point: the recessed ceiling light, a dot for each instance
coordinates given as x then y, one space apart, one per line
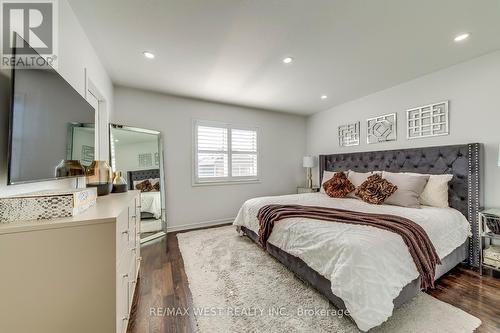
288 60
461 37
148 55
324 97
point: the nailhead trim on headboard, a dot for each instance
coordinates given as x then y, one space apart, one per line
474 202
463 161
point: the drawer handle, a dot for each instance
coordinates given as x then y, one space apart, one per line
125 318
124 232
125 276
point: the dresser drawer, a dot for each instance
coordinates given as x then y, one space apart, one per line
126 232
122 236
122 297
132 279
132 222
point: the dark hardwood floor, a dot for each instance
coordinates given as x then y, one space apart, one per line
163 284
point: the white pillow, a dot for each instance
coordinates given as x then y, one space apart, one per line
327 175
435 193
410 188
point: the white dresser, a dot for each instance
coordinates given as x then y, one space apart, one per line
75 274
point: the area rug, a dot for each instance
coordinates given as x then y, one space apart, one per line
237 287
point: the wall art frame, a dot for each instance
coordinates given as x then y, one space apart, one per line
428 121
382 128
349 134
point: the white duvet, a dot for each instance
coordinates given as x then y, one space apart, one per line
151 203
368 267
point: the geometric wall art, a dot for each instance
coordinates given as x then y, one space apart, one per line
382 128
145 160
87 155
428 120
349 135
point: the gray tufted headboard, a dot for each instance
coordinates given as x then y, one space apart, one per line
463 161
141 175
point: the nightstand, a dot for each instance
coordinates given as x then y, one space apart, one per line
486 240
307 190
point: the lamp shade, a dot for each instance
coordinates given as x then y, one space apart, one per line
308 162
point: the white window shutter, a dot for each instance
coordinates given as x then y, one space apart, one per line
212 145
244 153
224 153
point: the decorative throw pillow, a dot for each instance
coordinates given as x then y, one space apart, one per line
410 187
156 186
327 175
375 190
357 178
435 193
339 186
155 183
144 186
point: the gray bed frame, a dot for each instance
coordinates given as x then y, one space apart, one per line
463 161
139 175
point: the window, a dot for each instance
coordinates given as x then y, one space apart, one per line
224 153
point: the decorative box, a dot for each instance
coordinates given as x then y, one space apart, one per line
491 256
46 204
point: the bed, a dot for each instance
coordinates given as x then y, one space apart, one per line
150 201
366 270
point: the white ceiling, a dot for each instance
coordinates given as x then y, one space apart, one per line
127 137
231 50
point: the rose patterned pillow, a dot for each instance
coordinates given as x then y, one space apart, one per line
144 186
375 190
338 186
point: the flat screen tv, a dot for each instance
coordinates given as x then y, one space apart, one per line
49 122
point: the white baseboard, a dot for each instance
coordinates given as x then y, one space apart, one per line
202 224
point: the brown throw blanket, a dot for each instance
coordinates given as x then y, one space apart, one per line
421 249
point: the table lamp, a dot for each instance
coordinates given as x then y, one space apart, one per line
308 163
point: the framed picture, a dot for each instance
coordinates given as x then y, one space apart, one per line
145 160
87 155
382 128
428 120
349 135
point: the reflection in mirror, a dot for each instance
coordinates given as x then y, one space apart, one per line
81 142
137 154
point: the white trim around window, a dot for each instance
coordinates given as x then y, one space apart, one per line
230 153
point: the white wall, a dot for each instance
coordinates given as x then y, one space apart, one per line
473 89
127 155
282 145
75 55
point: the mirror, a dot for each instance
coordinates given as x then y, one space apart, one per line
81 142
138 154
